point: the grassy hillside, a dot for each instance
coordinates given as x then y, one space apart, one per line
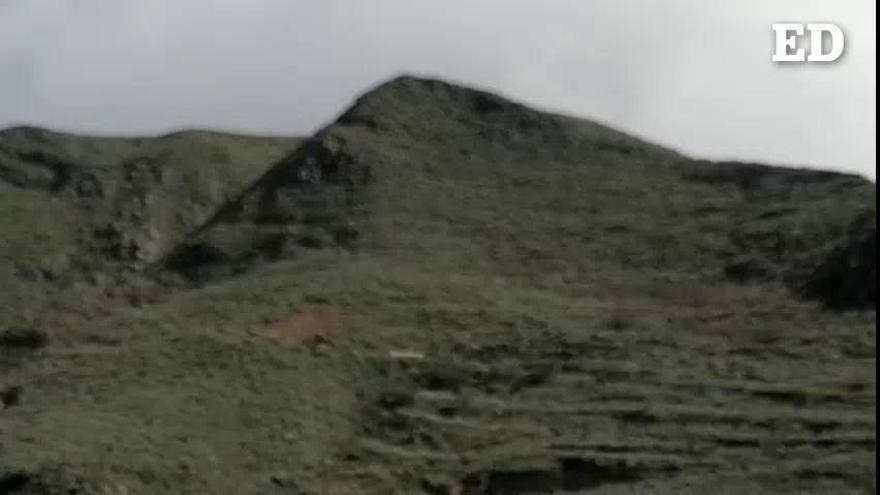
77 208
445 292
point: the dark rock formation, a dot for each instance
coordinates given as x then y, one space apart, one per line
312 199
847 277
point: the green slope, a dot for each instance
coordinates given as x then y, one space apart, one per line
445 289
76 207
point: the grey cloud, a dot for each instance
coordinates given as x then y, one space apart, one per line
692 74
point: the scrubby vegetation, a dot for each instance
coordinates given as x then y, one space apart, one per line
443 292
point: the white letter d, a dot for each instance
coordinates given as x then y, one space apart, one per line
816 35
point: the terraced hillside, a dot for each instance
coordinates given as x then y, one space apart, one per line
445 292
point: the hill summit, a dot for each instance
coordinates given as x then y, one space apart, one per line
316 196
321 195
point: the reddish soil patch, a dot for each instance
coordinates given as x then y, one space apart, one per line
109 301
313 324
96 306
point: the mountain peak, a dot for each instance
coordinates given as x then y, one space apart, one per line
428 108
409 92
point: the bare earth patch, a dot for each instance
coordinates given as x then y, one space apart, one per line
97 305
312 324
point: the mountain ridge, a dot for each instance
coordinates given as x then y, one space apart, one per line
309 199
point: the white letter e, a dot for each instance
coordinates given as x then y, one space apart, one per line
784 42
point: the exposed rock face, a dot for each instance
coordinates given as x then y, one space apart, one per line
847 277
312 199
40 170
831 261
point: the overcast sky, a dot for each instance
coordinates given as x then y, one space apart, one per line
692 74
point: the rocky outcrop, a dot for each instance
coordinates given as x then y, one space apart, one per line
846 278
315 198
